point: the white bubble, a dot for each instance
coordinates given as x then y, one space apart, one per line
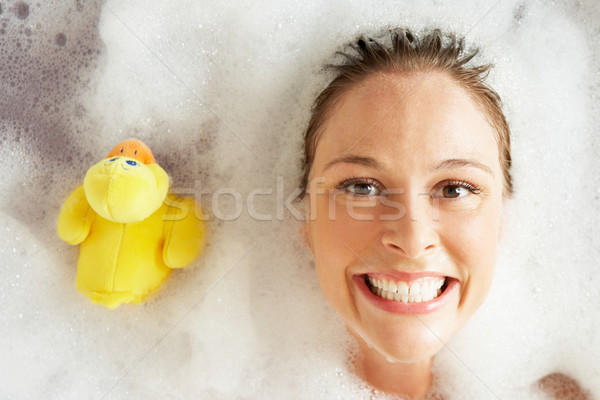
222 91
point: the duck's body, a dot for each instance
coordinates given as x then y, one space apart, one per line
122 261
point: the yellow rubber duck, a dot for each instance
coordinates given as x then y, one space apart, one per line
131 232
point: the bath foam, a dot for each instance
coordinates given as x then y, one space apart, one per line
49 51
224 91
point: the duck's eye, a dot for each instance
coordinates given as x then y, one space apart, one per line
132 163
113 159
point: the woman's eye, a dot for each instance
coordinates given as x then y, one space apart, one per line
453 192
456 189
359 187
364 189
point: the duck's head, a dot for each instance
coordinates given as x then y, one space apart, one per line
128 185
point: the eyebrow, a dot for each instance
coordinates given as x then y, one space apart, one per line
373 163
352 159
462 162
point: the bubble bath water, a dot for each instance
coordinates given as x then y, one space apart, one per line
222 94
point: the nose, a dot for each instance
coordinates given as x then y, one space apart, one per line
414 235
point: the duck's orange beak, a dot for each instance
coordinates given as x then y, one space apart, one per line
133 148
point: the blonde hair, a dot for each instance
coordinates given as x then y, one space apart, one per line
409 53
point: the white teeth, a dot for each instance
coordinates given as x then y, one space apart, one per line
417 291
392 287
426 288
386 285
403 288
414 289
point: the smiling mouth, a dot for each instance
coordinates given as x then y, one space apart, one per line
416 291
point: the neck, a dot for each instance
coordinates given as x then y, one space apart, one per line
411 379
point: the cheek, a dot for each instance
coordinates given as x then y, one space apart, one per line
336 239
471 242
337 233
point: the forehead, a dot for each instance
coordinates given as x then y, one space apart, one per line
425 116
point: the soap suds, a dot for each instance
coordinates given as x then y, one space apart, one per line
222 92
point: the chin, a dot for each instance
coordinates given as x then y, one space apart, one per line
410 342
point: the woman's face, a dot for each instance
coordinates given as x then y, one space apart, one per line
405 204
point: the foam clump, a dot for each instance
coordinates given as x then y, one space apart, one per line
43 124
222 92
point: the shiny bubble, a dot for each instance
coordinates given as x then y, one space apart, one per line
60 39
21 9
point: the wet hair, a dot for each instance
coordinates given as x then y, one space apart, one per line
403 51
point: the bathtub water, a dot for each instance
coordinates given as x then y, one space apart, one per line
221 93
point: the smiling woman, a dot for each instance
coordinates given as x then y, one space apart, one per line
407 165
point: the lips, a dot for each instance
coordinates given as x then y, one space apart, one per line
407 293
